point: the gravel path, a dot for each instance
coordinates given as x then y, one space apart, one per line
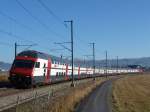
99 100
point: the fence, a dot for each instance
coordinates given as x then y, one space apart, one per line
36 101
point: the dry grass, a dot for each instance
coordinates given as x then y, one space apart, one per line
68 102
3 76
132 94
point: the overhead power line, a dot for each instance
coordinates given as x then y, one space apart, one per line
51 12
20 38
37 20
6 44
72 51
22 25
14 35
25 26
14 20
82 41
93 50
21 45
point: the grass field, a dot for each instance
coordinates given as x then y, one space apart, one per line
132 94
3 76
66 102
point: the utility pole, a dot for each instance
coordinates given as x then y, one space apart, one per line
84 60
72 53
93 46
127 63
106 64
117 64
15 49
17 45
99 67
85 63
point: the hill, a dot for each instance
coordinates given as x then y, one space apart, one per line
145 62
4 66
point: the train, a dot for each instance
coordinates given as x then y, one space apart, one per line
31 68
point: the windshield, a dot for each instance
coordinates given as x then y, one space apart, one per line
23 64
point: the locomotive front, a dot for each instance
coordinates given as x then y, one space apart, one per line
21 71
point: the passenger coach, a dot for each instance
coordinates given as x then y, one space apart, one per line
32 67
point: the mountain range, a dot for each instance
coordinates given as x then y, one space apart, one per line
4 66
145 62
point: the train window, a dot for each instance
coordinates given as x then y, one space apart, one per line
37 64
59 73
23 64
53 62
44 65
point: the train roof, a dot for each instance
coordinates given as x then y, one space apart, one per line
37 54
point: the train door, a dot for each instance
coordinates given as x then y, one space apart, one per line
66 72
44 68
40 71
45 71
79 72
48 71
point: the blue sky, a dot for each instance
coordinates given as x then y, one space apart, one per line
122 27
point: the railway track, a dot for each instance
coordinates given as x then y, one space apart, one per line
11 97
6 92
